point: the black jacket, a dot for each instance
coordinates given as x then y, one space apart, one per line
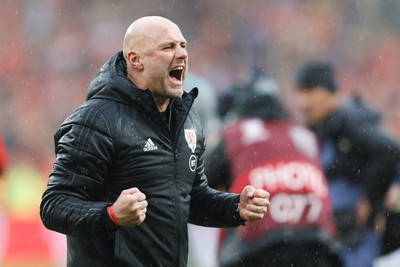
363 153
117 140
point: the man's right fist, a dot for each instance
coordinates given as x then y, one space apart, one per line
130 208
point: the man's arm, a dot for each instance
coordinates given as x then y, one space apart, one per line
382 154
72 202
213 208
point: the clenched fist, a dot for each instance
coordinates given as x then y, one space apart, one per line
130 207
254 203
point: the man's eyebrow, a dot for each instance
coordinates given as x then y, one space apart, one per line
172 42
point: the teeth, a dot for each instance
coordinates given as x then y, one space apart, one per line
178 68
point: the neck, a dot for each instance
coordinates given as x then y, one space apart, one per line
162 104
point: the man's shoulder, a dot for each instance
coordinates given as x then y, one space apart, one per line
89 108
347 118
94 113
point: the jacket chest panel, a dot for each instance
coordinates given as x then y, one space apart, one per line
151 158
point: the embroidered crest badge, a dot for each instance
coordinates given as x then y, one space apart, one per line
191 139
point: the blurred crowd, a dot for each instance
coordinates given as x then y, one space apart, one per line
51 49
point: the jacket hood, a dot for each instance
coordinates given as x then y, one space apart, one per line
111 82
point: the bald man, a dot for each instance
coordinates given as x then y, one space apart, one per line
129 170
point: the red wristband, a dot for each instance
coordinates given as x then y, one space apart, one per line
111 213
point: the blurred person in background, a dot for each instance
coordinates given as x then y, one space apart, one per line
359 158
3 218
262 146
129 171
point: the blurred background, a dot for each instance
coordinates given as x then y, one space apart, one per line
51 49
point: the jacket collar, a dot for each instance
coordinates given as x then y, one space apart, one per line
111 82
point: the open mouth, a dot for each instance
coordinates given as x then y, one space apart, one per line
177 73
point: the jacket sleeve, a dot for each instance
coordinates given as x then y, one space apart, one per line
381 154
210 207
72 202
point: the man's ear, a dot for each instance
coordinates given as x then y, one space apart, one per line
135 60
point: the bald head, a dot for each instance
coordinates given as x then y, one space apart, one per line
144 31
156 58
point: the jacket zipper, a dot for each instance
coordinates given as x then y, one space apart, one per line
175 136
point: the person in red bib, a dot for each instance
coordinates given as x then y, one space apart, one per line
263 147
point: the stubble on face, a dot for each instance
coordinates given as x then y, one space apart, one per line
158 77
161 49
